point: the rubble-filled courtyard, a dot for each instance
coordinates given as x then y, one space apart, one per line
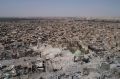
59 48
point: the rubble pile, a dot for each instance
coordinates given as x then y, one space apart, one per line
59 48
58 63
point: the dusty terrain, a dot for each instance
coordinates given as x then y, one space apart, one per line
45 48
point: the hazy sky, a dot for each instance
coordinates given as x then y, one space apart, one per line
32 8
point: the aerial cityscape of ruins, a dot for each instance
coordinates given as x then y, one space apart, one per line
59 48
59 39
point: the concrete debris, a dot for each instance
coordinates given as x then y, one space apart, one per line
87 68
59 48
104 66
51 53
